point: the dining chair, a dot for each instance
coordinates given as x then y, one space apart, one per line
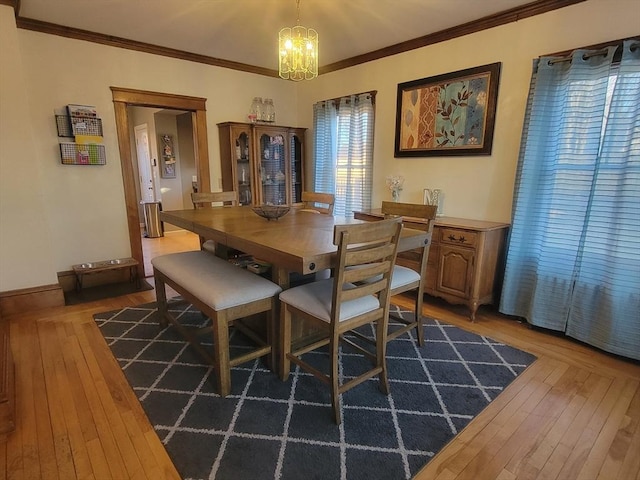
406 279
318 202
207 200
340 304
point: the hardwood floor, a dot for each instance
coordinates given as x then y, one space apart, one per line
575 413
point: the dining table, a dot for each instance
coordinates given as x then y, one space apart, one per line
298 242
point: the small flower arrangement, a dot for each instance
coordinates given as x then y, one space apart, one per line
395 183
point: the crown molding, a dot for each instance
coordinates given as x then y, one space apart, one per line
502 18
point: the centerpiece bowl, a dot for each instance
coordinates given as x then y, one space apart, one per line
271 212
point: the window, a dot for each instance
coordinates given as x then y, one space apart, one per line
343 151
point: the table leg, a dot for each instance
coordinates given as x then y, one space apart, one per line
280 276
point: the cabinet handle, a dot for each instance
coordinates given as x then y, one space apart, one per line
460 239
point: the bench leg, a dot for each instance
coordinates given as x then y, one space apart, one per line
161 299
221 355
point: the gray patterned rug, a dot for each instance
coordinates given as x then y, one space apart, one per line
269 429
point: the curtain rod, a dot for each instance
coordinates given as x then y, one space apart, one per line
587 56
337 99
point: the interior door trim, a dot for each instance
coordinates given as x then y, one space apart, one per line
126 97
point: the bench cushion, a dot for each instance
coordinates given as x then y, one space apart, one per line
214 281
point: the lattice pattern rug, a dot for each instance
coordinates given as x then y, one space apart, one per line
269 429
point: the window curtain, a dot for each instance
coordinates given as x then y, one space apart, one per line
343 151
573 261
325 146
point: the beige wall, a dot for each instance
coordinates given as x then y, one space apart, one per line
478 187
78 212
26 252
53 215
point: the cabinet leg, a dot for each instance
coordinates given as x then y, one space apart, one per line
473 308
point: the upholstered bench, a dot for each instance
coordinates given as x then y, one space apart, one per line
224 293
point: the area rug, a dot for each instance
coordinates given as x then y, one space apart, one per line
269 429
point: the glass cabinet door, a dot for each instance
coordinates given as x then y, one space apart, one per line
296 168
271 149
243 168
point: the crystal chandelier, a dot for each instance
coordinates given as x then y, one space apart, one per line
298 52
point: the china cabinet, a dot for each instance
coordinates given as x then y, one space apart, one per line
263 163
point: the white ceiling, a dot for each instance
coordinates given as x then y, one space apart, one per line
246 31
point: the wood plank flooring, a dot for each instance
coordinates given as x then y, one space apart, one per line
575 413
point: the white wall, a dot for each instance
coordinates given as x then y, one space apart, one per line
53 216
479 187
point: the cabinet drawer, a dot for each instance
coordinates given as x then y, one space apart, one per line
455 236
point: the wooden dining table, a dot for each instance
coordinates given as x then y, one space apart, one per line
300 241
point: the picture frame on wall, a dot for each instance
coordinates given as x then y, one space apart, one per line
167 157
448 114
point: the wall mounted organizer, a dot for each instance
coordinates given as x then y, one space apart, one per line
83 125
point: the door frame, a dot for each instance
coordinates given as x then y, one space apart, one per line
126 97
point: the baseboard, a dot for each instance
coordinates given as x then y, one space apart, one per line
29 299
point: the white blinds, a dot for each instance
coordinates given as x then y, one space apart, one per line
343 151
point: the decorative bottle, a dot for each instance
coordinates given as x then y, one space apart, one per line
255 112
268 114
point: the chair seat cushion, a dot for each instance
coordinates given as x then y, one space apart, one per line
209 246
214 281
403 276
315 299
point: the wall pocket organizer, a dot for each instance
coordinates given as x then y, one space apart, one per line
83 125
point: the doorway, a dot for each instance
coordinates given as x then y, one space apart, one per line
123 98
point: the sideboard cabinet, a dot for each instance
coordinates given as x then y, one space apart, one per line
263 163
465 263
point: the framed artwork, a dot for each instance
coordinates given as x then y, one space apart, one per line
167 157
449 114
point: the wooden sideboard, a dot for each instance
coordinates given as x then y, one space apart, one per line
465 259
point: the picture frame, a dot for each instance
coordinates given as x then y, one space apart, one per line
167 157
448 114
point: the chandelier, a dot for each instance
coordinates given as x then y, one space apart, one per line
298 52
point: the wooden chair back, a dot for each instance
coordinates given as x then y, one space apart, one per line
318 202
207 199
372 248
414 215
418 217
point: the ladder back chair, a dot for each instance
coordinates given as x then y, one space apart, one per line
207 200
318 202
405 279
337 305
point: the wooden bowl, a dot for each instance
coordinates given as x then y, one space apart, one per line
271 212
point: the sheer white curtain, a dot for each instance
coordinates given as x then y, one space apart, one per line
343 151
573 261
